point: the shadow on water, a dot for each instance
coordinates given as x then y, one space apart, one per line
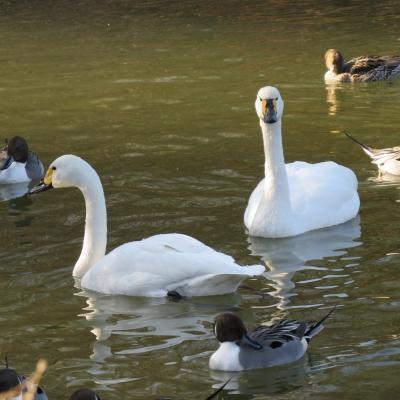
285 257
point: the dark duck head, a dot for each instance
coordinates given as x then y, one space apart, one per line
10 384
230 328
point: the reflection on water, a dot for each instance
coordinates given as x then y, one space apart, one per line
265 381
150 324
159 98
331 99
285 257
8 192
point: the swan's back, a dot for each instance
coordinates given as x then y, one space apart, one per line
322 194
162 263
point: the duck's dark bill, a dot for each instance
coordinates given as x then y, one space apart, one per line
42 187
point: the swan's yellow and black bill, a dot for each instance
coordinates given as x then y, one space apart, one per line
45 184
268 108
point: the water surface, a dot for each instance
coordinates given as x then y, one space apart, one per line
158 96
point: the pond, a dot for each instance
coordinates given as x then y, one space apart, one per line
159 97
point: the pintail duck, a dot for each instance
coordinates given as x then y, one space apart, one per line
265 346
360 69
18 164
13 386
387 160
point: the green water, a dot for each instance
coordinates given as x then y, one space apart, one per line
158 96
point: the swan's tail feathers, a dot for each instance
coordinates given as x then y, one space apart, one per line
367 150
317 326
254 270
210 285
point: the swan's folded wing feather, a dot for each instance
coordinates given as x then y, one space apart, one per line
163 262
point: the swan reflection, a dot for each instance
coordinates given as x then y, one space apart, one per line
284 257
148 324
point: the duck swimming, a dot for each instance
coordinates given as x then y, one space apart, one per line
152 267
265 346
387 160
18 164
360 69
13 386
297 197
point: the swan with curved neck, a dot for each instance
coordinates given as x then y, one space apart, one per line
151 267
297 197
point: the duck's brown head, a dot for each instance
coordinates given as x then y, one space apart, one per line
18 148
334 61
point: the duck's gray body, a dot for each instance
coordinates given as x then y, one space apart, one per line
34 167
282 343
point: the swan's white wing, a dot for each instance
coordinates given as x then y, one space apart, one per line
322 194
156 265
252 206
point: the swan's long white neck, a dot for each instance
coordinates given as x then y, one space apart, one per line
276 182
95 239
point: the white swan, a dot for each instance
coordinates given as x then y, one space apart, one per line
151 267
296 197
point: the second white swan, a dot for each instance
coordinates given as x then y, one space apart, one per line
152 267
297 197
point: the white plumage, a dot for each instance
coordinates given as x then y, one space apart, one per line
151 267
387 159
297 197
167 262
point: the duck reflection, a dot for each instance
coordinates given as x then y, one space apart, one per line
149 324
284 257
383 179
16 190
9 192
266 381
331 97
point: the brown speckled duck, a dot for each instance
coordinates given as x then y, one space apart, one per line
360 69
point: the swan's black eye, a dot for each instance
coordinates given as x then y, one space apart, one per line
53 168
276 99
260 99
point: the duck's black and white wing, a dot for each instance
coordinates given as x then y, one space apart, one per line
34 167
280 333
287 330
382 156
